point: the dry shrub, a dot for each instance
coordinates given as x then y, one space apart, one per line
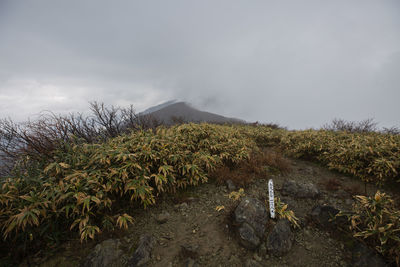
259 165
238 176
365 126
274 159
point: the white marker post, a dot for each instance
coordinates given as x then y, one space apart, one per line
271 198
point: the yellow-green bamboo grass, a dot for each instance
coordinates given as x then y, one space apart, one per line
91 186
372 157
376 220
87 187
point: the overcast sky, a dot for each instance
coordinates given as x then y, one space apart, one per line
298 63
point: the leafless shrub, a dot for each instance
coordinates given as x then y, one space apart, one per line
38 139
392 130
364 126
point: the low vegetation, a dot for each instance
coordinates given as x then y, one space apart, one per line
90 187
85 174
376 220
370 156
284 212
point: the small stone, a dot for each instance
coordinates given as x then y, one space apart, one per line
230 185
256 257
162 218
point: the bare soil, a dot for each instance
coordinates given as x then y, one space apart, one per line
195 222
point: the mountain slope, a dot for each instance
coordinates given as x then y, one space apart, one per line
181 111
158 107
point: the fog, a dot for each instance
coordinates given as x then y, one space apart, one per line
297 63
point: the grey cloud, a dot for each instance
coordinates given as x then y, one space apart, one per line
299 63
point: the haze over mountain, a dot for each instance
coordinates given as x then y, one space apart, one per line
297 63
172 111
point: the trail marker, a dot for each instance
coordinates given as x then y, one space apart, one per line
271 198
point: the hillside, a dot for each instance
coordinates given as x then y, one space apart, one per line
182 111
144 182
189 231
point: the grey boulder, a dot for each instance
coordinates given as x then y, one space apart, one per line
280 239
251 217
299 190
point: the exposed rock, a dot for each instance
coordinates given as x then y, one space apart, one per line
300 190
324 216
230 185
248 237
143 251
366 257
251 216
253 212
162 218
280 239
107 253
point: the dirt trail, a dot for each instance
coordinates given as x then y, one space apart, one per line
194 223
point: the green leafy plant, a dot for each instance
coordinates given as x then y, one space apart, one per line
376 220
284 213
86 187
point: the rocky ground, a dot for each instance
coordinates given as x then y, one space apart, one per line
187 230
